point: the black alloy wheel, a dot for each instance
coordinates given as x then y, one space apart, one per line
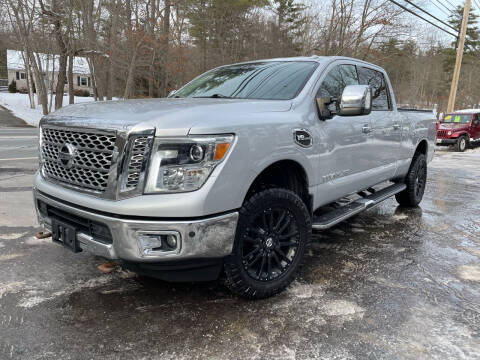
273 233
270 244
416 181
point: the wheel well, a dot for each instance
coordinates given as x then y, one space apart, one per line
422 148
285 174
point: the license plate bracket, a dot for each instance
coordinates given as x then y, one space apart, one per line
65 234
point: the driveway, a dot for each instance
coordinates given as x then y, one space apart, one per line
391 283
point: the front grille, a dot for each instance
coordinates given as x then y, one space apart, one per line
98 231
138 152
442 133
91 161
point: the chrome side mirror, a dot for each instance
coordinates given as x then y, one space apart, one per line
171 93
356 100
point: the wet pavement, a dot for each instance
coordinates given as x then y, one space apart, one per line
390 283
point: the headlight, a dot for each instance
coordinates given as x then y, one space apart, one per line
449 133
184 164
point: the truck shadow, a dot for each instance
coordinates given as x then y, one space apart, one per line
338 257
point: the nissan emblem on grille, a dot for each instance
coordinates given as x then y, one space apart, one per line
66 155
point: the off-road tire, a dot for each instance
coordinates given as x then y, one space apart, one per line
255 214
416 181
461 144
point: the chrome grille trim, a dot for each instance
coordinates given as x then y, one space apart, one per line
92 161
137 155
117 151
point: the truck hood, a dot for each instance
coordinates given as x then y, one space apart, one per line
171 116
453 126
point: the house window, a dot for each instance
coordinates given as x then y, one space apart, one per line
83 81
22 76
18 75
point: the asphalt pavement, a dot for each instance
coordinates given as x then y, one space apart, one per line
391 283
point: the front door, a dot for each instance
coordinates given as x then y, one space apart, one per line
345 142
475 133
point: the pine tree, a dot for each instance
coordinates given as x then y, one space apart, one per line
472 42
291 23
472 39
12 88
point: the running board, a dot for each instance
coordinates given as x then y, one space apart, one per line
332 218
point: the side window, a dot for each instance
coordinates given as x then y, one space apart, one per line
336 80
381 98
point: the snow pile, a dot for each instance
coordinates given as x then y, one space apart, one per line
15 62
19 105
468 111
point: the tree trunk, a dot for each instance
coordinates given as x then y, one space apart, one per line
165 46
71 97
28 72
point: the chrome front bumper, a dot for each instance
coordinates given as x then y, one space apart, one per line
210 237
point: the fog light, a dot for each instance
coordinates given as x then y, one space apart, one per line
172 241
157 243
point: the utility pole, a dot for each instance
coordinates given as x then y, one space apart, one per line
458 62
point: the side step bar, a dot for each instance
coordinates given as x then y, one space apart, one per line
332 218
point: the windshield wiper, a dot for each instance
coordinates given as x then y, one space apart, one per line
215 96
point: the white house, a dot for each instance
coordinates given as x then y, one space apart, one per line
16 71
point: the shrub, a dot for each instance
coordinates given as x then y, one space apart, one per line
81 92
23 90
12 88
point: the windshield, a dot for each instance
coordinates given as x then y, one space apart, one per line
457 118
275 80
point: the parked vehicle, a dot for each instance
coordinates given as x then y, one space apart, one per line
233 171
459 129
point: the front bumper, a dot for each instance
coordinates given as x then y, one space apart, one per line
446 141
209 237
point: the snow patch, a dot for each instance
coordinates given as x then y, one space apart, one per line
304 291
342 308
12 236
34 241
36 297
11 288
469 272
398 217
19 105
10 256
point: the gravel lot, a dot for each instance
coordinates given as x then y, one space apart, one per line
391 283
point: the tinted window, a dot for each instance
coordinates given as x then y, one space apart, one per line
279 80
380 99
335 81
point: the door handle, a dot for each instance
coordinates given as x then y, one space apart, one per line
366 129
396 126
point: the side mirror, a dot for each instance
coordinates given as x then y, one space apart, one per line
356 100
171 93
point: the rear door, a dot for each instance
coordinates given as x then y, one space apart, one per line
386 124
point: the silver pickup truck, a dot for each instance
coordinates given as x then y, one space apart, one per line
227 177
